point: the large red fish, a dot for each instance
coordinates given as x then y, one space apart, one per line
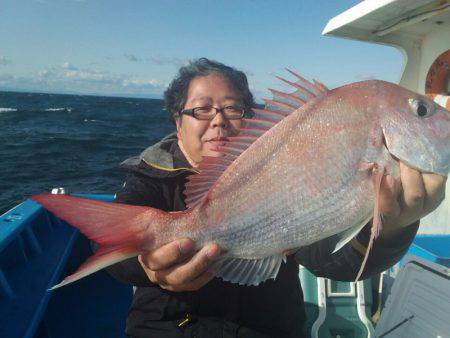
307 167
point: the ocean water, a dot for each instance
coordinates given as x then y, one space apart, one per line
71 141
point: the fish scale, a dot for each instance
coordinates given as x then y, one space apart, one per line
257 236
306 173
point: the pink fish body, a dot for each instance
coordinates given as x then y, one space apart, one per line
307 167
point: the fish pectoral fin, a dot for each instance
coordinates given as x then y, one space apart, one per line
347 235
248 271
376 222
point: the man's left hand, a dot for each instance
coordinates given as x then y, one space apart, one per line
416 196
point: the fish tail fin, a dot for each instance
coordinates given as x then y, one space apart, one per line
122 231
103 257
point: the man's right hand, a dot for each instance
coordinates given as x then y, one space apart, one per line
177 267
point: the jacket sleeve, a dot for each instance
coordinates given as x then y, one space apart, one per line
345 263
137 190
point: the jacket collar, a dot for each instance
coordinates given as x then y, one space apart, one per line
163 159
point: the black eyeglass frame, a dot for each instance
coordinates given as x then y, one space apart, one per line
191 112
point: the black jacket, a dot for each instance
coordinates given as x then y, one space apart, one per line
222 309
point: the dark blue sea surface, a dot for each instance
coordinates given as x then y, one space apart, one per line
71 141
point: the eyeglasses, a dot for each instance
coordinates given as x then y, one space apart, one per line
208 113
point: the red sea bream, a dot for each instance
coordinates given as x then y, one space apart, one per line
306 167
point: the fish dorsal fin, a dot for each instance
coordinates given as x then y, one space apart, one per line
248 271
304 92
282 105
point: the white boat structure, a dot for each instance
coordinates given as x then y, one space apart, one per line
420 30
418 301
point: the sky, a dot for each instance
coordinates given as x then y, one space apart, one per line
135 48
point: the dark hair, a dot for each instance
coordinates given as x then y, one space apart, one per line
176 94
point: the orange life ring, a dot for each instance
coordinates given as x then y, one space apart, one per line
443 100
437 81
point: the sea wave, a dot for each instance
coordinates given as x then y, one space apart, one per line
4 110
65 151
59 109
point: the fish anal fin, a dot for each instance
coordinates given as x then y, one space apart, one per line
248 271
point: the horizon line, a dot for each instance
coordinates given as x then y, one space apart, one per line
25 91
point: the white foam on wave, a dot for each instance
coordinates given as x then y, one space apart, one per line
4 110
59 109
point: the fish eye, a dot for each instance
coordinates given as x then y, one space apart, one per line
420 108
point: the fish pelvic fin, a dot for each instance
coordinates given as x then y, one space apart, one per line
248 271
346 236
122 231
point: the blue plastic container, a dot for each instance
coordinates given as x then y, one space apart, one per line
435 248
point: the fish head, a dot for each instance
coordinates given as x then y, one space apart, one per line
416 130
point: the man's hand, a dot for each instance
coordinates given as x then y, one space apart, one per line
177 267
418 195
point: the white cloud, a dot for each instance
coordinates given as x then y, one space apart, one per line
364 77
157 60
5 78
89 75
69 66
132 58
45 73
137 82
68 78
164 60
4 61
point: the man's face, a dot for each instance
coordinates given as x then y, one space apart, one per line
200 137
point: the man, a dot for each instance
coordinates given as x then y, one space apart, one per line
177 296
